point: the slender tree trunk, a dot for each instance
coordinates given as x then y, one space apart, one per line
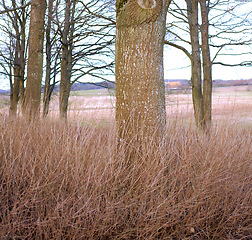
66 61
35 58
47 94
207 65
22 57
16 68
64 81
64 84
12 112
19 68
22 90
192 12
11 87
140 91
22 61
15 89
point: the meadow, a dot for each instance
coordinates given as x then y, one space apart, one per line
69 181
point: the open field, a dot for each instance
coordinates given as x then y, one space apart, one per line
70 181
236 102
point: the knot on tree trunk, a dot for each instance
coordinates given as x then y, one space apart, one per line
132 13
147 4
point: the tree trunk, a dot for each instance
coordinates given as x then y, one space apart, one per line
15 90
47 94
23 24
22 66
66 61
64 84
11 109
207 65
140 90
192 12
35 58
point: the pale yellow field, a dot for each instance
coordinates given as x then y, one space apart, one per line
232 102
229 103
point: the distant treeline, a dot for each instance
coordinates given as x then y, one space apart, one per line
111 85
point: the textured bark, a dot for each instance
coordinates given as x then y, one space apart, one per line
15 89
17 92
207 65
35 58
66 61
64 84
47 88
140 92
22 57
11 89
192 13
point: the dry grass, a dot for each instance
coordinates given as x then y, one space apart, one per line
66 181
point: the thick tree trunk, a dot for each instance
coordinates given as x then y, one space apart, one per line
192 12
35 58
207 66
140 92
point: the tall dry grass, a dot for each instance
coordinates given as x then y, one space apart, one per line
66 181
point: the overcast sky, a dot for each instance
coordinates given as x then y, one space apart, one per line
177 64
174 59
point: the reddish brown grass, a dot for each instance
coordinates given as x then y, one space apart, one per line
66 181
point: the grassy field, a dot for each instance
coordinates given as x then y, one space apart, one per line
69 181
236 102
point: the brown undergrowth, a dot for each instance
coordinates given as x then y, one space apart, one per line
66 181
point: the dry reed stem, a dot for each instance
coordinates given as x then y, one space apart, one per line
66 181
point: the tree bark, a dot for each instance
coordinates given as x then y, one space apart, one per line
15 90
64 84
192 12
140 91
47 93
18 23
66 61
35 58
207 65
11 89
18 70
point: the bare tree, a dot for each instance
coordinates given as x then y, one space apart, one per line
207 64
192 14
187 31
140 93
48 88
85 37
17 13
66 61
